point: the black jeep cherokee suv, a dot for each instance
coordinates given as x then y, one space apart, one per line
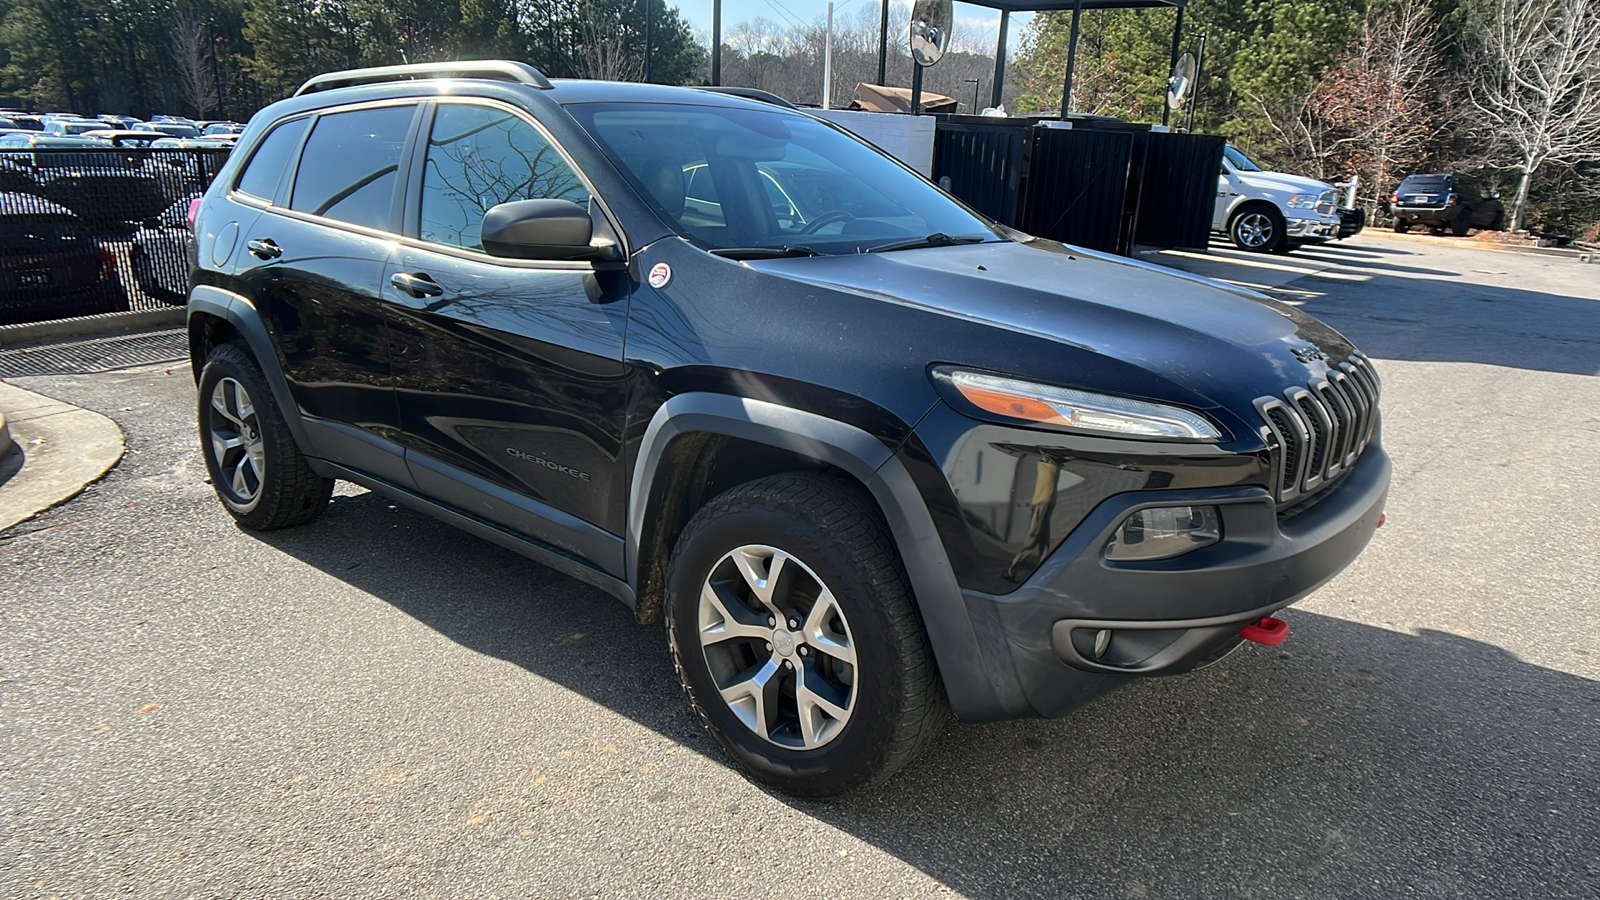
865 452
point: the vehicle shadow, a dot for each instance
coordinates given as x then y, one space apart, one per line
1410 313
1352 762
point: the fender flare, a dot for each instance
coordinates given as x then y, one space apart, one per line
246 320
968 682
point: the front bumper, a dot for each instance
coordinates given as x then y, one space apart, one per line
1166 616
1307 226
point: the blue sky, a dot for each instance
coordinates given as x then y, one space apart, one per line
975 21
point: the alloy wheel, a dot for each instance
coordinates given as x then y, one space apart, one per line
778 647
237 449
1254 229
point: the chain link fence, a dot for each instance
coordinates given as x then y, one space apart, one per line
86 231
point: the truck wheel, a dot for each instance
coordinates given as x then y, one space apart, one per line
1401 226
796 638
255 467
1461 224
1499 223
1256 228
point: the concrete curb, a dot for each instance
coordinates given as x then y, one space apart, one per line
58 450
1468 244
91 326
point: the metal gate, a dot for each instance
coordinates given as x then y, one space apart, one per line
1101 185
95 230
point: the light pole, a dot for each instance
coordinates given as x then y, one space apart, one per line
974 82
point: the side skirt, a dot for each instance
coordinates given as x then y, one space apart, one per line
536 550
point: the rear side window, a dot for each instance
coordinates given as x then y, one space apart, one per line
478 157
347 170
261 174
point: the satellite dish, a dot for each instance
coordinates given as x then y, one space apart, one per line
1181 85
930 30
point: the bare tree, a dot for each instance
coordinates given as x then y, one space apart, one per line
1537 83
188 41
1379 111
603 52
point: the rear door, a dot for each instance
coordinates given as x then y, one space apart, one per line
509 373
313 262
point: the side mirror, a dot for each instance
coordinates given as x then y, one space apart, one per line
538 229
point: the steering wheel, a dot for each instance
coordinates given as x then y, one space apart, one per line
827 218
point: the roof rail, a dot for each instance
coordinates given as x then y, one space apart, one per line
751 94
490 69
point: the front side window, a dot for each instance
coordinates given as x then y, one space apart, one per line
347 170
1239 160
735 178
261 174
480 157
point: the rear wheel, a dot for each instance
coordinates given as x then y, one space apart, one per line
795 636
1401 226
255 467
1256 228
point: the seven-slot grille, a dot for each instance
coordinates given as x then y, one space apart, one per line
1327 204
1318 431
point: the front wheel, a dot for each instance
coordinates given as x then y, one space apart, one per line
796 638
1257 229
255 467
1461 224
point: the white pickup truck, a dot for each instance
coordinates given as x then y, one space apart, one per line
1271 211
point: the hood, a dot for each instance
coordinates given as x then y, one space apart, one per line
1279 181
1220 345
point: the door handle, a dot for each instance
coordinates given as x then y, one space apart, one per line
416 284
264 248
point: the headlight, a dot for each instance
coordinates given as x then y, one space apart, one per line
1303 201
1080 410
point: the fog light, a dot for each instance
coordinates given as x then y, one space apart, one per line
1164 532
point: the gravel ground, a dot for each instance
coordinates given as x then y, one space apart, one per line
376 705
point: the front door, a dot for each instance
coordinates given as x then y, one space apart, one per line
509 373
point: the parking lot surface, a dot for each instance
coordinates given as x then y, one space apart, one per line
377 705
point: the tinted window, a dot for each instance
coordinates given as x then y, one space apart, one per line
348 168
479 157
261 174
42 234
1425 183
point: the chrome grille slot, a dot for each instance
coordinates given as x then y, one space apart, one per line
1317 432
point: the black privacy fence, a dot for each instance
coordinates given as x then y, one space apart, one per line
85 231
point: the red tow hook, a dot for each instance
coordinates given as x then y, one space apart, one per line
1266 630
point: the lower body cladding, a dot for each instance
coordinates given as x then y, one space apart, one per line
1084 623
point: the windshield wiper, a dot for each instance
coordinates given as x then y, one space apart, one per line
764 252
937 239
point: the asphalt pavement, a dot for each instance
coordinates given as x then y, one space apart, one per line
377 705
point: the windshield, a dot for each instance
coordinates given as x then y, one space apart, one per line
1239 160
78 127
754 178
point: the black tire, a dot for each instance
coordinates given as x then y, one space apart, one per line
1257 228
1499 223
897 704
1461 224
263 481
1401 226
